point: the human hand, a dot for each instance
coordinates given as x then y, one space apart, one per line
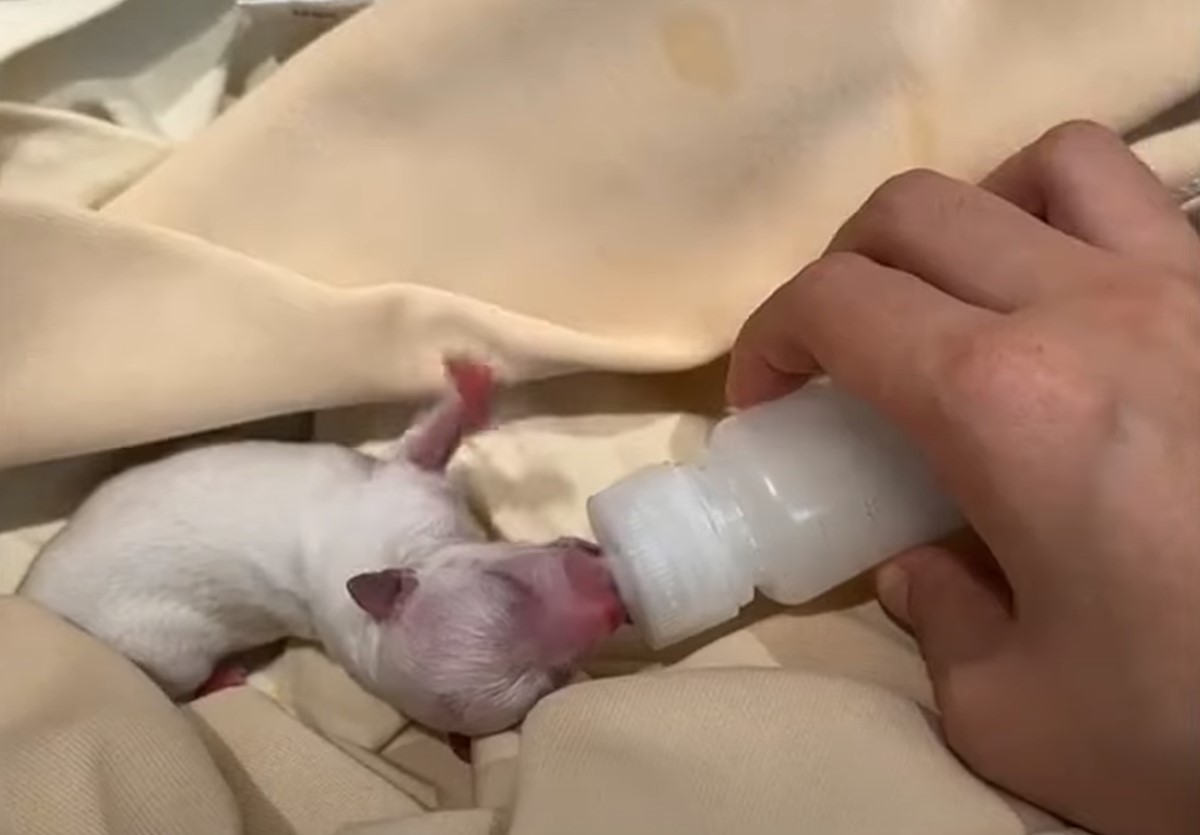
1039 338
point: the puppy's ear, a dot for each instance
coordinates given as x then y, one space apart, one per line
381 593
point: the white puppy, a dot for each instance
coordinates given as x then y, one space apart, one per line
180 563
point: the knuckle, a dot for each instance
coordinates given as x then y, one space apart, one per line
900 192
831 268
1062 144
904 208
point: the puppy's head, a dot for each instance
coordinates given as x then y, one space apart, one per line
469 643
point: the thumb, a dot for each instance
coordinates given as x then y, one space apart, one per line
955 602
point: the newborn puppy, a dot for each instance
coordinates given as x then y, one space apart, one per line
182 562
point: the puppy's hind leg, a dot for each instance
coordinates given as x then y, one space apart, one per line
180 676
431 442
175 647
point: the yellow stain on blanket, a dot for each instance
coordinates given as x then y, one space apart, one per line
697 48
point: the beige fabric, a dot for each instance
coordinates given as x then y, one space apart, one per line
60 157
671 779
285 775
89 745
593 188
272 32
444 823
653 175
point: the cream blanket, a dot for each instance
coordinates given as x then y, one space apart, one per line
584 191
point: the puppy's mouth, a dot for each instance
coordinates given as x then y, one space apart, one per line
594 589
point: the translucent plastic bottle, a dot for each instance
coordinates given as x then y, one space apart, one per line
795 497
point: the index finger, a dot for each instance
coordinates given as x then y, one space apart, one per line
873 329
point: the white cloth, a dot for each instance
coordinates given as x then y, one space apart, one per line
157 66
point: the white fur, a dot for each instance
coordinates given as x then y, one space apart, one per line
180 562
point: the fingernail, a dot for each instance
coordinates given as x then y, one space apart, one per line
891 586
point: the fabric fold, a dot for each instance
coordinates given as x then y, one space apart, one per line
594 192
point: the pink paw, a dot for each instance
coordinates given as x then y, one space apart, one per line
224 676
475 384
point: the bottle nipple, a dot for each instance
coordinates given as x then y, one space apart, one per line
670 562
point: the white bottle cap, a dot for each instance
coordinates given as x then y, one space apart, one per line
671 564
